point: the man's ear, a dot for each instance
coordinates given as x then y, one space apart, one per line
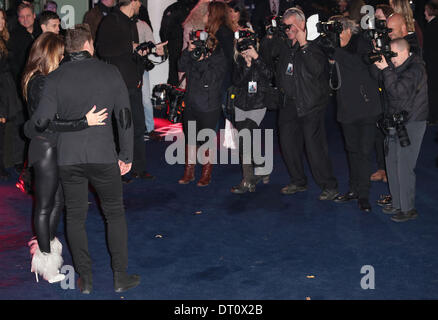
43 28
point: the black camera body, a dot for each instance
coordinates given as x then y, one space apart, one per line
247 39
379 34
396 121
151 47
170 101
199 39
276 27
330 33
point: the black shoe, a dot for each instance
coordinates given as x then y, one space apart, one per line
243 187
4 175
385 201
390 210
364 205
328 194
405 216
126 179
85 283
124 281
346 197
142 175
292 188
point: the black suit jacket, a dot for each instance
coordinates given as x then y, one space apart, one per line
71 91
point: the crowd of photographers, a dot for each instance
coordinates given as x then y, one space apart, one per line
241 58
377 69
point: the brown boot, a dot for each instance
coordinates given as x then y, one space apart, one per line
206 172
189 169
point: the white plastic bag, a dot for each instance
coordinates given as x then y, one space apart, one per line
230 136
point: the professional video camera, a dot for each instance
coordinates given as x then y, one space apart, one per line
169 100
378 33
152 50
247 39
199 38
396 121
276 27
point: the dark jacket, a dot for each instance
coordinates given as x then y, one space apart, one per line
115 36
70 91
358 97
204 80
406 88
19 47
10 104
431 47
94 17
171 30
225 37
259 73
412 39
308 86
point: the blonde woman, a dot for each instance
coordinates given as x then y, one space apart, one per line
45 56
404 8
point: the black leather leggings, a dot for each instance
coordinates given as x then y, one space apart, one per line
49 199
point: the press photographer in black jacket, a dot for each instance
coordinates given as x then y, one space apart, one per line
250 79
405 83
302 73
358 109
203 99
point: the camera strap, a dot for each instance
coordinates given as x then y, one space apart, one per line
335 66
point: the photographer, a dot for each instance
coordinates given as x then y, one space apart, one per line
358 108
302 74
205 66
406 88
117 38
250 78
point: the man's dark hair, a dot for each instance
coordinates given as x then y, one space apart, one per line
45 16
432 7
50 2
76 38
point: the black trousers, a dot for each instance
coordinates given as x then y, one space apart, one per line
305 133
359 144
105 179
49 197
204 120
138 121
380 152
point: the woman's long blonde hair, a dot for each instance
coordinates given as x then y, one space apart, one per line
44 57
4 36
404 8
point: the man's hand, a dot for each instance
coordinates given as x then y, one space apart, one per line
383 64
141 52
191 46
160 48
2 120
301 36
124 167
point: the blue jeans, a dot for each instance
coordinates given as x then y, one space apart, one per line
147 104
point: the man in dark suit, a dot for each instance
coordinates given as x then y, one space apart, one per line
430 51
89 156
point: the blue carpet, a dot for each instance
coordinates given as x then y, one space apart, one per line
206 243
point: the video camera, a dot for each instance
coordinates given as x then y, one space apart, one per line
276 27
378 33
247 39
170 100
152 50
199 38
396 121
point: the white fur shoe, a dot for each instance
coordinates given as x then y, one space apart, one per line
47 264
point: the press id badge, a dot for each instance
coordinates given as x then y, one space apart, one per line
252 87
290 69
